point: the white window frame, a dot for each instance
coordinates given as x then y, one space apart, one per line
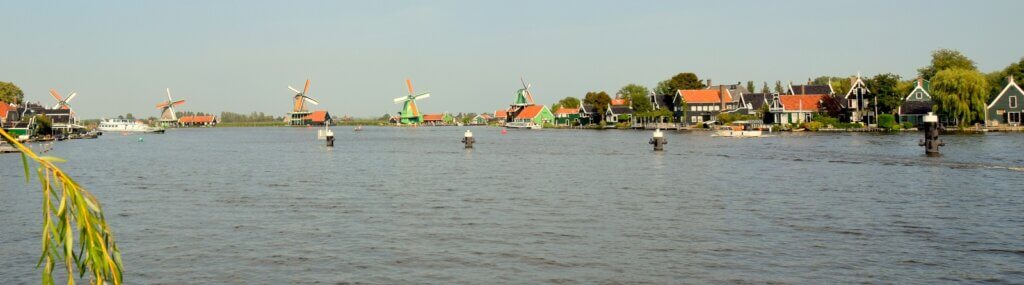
918 96
1013 101
1009 116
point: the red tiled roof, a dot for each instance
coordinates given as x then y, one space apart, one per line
4 107
501 114
566 111
703 96
802 102
196 119
485 116
619 102
530 111
433 117
317 117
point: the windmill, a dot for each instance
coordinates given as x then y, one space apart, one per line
63 103
167 115
524 98
299 111
410 113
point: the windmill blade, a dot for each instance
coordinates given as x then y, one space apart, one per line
401 99
55 106
66 100
55 95
523 81
422 96
305 90
177 103
409 83
169 95
162 105
311 100
293 89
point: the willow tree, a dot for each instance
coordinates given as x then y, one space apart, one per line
960 94
70 212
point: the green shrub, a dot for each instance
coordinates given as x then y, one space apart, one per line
887 121
907 125
825 120
812 126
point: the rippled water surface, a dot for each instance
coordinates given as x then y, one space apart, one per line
390 205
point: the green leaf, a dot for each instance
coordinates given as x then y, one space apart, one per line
24 162
52 159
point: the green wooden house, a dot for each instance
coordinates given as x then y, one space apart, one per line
537 114
916 105
1006 109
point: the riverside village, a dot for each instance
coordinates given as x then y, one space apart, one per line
512 142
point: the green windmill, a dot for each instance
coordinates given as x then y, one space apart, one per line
410 114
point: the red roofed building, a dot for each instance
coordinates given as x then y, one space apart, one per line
536 114
501 115
704 105
317 118
197 121
438 119
4 108
789 109
620 102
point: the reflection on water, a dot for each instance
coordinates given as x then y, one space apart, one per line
389 205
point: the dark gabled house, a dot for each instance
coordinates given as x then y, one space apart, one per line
751 103
736 90
859 103
666 102
809 89
917 104
1006 108
614 112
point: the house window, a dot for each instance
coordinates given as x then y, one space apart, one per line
1013 101
693 108
918 95
1013 118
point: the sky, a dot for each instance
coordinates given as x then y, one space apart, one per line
240 56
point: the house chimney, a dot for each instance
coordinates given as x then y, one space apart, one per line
1009 79
803 89
721 97
709 82
920 81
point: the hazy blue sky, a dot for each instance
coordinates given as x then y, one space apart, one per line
240 55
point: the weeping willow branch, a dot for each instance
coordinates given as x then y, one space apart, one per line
70 210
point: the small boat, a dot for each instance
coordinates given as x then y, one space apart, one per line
736 132
524 125
358 128
127 126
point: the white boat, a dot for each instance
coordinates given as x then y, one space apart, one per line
524 125
128 126
736 132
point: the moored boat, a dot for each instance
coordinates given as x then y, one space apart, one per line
737 132
127 126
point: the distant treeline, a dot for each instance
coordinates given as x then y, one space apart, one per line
231 117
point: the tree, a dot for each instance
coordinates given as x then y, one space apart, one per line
840 85
778 86
11 93
764 89
960 94
685 80
598 100
886 90
997 80
946 59
750 86
43 125
637 96
567 102
129 116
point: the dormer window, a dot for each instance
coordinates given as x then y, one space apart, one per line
918 95
1013 101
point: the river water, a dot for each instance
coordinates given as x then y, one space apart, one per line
405 205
